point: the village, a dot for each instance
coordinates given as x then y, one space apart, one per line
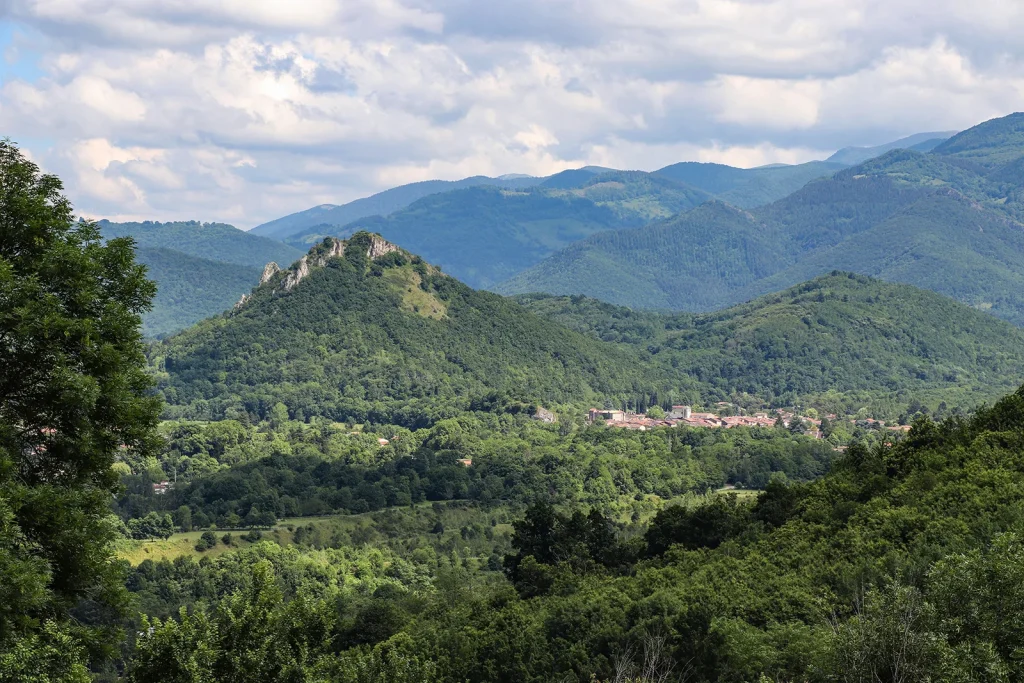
684 416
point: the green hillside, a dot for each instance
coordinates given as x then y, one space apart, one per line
389 339
190 289
635 194
933 220
839 332
392 339
944 243
989 144
694 261
201 269
213 241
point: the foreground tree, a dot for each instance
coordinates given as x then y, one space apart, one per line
73 393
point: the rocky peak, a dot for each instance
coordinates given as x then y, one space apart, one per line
318 257
269 271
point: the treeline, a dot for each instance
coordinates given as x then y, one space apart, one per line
233 476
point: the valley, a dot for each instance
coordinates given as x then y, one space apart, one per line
711 424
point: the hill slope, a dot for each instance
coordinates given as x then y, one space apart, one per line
961 238
838 332
362 330
214 241
190 289
921 142
201 269
366 331
748 187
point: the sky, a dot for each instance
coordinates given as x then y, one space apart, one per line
242 111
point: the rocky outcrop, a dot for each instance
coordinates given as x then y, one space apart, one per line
319 255
269 271
380 246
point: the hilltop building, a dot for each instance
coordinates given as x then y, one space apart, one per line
606 415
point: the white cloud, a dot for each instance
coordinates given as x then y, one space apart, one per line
246 110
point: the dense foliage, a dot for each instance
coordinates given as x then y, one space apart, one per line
391 341
72 395
483 235
837 334
201 269
190 289
212 241
903 564
235 477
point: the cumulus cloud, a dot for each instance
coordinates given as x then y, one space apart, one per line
244 110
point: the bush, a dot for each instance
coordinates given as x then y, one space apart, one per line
206 541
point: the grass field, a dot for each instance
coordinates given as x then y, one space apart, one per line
402 526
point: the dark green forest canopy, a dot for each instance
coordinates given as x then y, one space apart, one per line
201 269
839 332
74 395
213 241
909 554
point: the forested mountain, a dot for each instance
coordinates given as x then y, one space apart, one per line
988 145
190 289
483 235
741 187
361 330
293 226
940 220
840 332
213 241
201 269
748 187
389 338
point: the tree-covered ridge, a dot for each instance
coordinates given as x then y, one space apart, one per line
364 339
201 269
990 144
840 332
748 187
332 217
932 220
213 241
190 289
394 340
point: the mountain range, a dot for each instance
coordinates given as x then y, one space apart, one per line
946 220
362 330
493 232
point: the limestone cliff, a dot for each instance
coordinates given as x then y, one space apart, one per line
317 257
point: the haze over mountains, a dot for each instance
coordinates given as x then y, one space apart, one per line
946 220
938 213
